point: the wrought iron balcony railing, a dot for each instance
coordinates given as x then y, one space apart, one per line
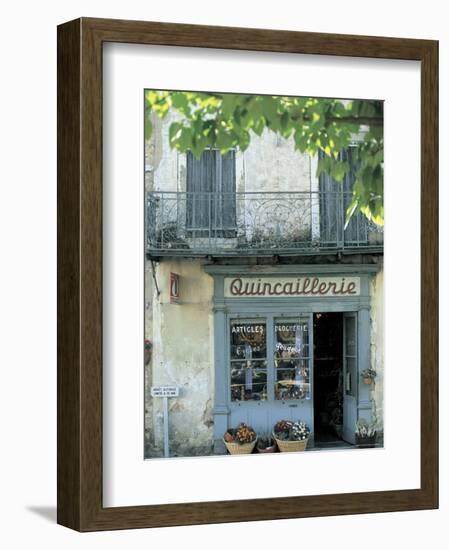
255 223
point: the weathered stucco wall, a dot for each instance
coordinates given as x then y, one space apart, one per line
377 346
182 354
161 162
270 164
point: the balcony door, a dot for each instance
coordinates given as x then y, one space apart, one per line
210 194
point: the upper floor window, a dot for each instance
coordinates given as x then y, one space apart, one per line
335 198
210 194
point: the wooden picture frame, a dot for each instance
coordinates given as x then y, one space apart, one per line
80 351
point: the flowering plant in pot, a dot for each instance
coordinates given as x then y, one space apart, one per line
240 440
266 444
365 433
368 375
291 436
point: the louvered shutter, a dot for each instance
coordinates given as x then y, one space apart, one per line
330 207
335 198
201 175
210 203
225 198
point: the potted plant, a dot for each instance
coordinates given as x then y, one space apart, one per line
365 434
291 436
266 444
240 440
368 375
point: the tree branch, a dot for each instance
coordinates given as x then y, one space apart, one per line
369 121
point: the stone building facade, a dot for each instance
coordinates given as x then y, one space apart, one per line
275 233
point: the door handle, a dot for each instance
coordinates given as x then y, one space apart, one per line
348 381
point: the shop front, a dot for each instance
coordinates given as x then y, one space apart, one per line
290 342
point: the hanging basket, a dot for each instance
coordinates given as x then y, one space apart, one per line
240 448
291 446
368 381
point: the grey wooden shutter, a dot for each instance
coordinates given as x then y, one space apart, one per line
356 230
201 176
335 197
210 202
225 198
330 221
350 233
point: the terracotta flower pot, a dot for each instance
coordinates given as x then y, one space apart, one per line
270 449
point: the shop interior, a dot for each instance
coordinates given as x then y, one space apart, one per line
328 379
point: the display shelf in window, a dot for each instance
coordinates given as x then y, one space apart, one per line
248 360
291 359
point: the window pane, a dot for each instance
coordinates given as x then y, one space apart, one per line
248 360
291 359
351 377
248 339
350 336
248 382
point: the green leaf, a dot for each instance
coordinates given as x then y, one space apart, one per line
231 120
351 210
259 126
184 140
180 102
269 109
229 104
339 170
324 165
285 118
148 125
174 132
224 141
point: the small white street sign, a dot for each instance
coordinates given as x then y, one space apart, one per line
164 391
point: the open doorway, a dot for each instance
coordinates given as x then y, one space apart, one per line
328 379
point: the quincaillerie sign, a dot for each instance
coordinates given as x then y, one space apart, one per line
307 286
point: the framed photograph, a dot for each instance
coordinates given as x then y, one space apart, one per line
247 274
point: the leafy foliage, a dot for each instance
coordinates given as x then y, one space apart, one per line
225 121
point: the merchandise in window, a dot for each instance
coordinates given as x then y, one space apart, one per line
291 359
248 360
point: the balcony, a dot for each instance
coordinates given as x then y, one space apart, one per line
188 224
